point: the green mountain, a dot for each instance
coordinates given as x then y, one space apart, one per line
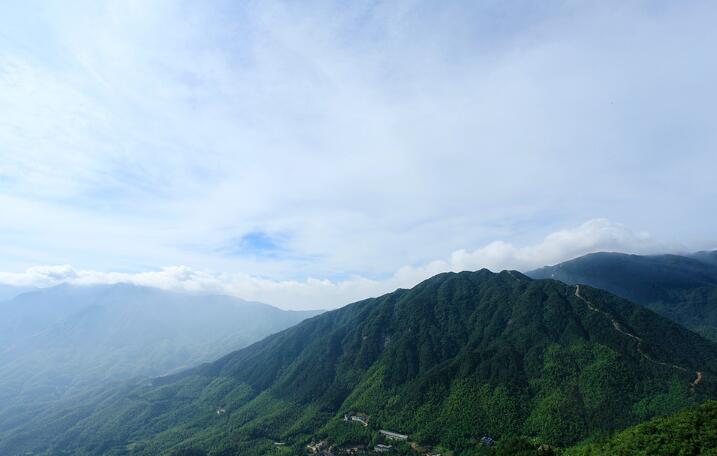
681 288
57 341
456 358
688 432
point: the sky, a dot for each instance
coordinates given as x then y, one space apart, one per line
309 154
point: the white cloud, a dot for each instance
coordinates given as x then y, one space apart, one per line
592 236
366 135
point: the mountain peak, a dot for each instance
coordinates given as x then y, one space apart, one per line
682 288
459 356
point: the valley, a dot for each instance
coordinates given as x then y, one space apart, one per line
358 228
459 358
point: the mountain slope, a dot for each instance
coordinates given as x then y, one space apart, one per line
706 256
681 288
56 340
457 357
9 291
687 432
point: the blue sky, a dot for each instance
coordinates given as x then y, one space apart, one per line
311 153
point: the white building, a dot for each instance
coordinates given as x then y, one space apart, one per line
393 435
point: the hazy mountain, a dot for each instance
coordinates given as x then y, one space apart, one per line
706 256
9 291
682 288
458 357
57 340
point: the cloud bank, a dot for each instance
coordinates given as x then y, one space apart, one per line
347 139
592 236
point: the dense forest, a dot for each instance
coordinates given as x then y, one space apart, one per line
455 359
687 432
682 288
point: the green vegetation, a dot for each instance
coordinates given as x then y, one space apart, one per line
687 432
62 341
456 358
681 288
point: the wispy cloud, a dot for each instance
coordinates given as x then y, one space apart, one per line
371 135
592 236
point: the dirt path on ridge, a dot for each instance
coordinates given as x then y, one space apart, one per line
698 379
619 328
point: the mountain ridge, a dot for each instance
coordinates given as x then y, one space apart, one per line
498 354
67 337
680 287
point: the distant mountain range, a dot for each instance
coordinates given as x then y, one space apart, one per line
682 288
57 341
9 291
456 358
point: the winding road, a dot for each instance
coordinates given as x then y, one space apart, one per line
619 328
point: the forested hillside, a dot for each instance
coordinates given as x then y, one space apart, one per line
681 288
458 357
60 341
688 432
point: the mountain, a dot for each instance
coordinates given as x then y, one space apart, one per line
62 339
458 357
10 291
687 432
681 288
709 257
